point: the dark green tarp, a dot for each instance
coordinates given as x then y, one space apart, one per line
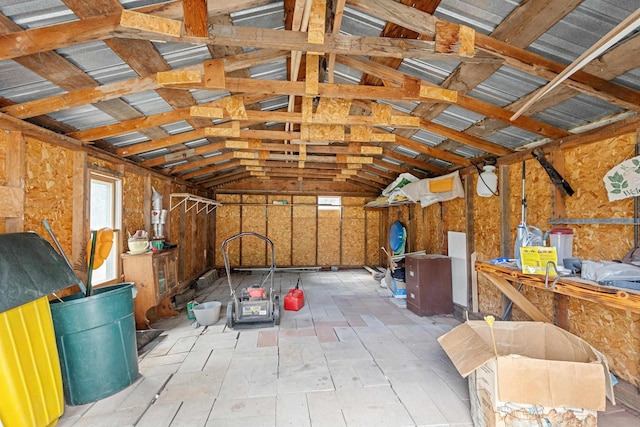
30 268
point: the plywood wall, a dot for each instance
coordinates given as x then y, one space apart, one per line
302 234
279 227
133 205
304 231
254 213
353 231
373 253
330 237
228 225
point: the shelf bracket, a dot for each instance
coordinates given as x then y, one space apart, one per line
190 201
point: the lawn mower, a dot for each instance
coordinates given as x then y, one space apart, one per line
254 303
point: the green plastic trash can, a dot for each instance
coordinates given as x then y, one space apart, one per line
96 338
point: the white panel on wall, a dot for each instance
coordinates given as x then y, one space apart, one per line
457 243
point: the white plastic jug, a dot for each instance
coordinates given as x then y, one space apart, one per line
562 239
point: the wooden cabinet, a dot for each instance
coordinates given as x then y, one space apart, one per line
155 275
428 280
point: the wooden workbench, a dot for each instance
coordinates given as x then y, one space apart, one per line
502 278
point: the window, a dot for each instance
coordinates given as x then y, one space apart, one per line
105 211
329 203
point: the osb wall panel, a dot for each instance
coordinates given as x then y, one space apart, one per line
612 331
49 191
174 215
372 238
254 199
453 214
538 193
228 225
329 237
616 333
434 228
279 230
132 205
353 235
101 163
304 200
586 173
3 178
419 241
254 218
543 300
486 224
304 232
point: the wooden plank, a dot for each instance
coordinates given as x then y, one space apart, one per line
315 32
234 105
179 77
209 112
438 94
15 161
196 18
214 74
561 311
506 288
514 56
337 22
312 75
163 142
589 291
12 205
127 87
454 38
81 207
154 24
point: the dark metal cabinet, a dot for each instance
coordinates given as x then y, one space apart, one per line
428 280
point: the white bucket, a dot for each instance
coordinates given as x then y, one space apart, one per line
562 239
207 313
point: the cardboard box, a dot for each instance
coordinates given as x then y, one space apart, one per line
543 375
399 288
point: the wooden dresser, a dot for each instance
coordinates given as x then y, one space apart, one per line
155 275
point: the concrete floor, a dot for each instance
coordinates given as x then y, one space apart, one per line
352 356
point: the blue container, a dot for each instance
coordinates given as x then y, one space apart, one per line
96 338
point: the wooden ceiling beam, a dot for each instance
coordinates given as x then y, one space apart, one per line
184 155
392 30
160 119
126 87
196 17
484 108
410 89
516 57
267 38
395 120
414 162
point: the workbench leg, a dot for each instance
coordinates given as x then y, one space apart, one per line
561 311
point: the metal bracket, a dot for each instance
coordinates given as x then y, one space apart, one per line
190 201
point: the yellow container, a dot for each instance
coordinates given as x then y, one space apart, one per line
30 377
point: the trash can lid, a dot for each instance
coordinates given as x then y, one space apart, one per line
30 268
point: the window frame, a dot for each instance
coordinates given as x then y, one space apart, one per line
334 203
115 183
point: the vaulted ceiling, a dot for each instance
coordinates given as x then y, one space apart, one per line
318 95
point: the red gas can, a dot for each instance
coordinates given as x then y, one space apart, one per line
294 300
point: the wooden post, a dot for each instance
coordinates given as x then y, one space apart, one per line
506 247
15 171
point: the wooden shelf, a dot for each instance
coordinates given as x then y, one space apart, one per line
190 201
500 276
